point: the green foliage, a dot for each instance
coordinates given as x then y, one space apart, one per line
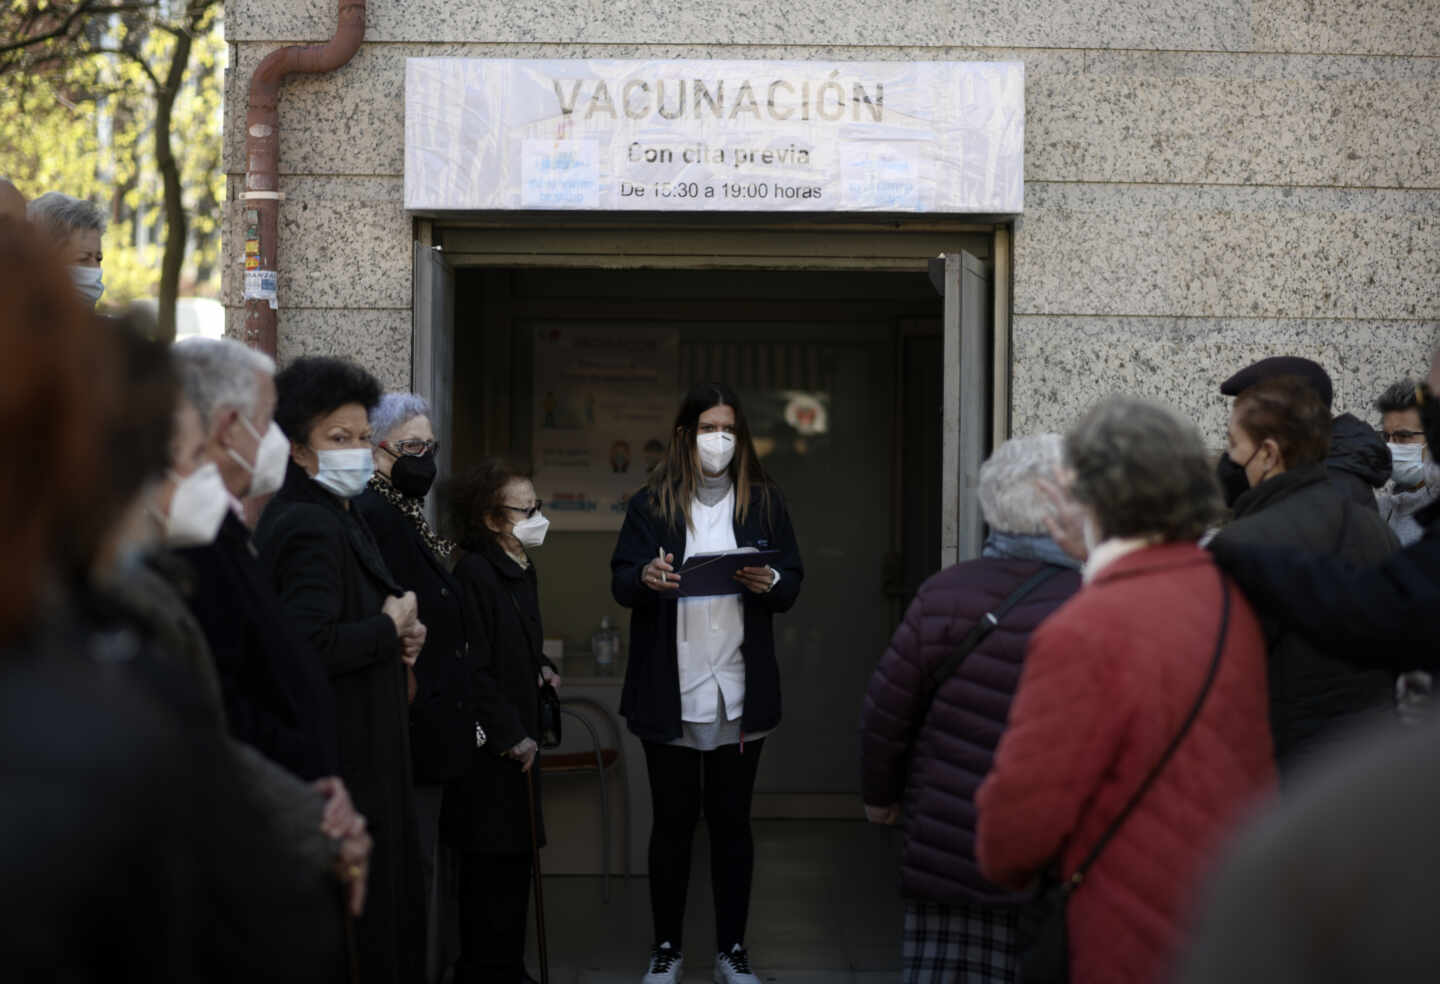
79 117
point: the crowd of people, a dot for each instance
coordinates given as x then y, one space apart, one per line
1152 649
268 720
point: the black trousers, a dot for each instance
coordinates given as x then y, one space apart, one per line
683 782
494 913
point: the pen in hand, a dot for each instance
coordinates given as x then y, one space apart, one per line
659 575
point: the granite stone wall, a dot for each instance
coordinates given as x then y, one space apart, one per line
1207 181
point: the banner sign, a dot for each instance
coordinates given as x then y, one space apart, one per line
714 136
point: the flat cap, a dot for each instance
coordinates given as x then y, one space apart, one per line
1281 365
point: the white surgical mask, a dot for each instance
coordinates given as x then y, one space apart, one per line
717 450
197 508
345 472
88 283
1408 462
531 530
272 451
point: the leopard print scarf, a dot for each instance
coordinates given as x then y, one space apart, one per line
415 510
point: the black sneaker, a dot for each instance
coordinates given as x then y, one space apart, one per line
667 966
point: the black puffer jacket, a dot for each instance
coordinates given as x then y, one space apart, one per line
1359 461
1313 695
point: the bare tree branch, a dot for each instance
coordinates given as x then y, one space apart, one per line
82 10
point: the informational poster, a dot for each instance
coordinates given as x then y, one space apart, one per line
721 136
605 400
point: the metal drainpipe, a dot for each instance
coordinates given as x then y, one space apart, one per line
261 214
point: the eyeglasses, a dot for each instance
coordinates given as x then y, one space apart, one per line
413 448
1402 436
527 513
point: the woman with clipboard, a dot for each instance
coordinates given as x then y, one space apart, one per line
702 688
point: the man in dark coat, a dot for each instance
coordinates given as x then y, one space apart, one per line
1385 613
277 697
1358 461
1279 431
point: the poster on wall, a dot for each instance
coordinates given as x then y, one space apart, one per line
714 136
605 398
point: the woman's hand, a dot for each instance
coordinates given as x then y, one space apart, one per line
758 580
412 642
341 821
524 753
1066 522
659 575
549 676
886 816
404 611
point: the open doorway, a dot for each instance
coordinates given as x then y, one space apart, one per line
842 377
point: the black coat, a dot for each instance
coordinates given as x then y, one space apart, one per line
456 689
484 810
1380 616
136 847
1313 694
650 701
1359 461
277 695
332 583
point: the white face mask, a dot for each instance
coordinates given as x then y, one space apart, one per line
717 450
531 530
1092 534
345 472
88 283
272 451
1409 465
197 508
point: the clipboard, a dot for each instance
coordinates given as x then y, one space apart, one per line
709 574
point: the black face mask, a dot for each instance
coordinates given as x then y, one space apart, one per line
413 474
1233 481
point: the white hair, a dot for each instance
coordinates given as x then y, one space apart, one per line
395 410
1010 499
62 215
220 374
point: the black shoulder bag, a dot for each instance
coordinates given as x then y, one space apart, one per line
978 633
1046 959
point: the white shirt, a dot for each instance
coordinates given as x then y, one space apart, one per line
710 631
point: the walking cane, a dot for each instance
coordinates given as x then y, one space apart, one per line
539 886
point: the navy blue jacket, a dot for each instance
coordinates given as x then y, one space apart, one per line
650 701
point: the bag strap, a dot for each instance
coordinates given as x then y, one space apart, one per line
980 630
1075 880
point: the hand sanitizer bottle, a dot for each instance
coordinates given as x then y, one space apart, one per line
605 644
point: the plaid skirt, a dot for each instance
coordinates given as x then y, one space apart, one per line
959 944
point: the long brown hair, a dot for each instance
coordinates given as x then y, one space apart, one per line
677 478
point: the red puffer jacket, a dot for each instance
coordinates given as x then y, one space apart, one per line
1108 681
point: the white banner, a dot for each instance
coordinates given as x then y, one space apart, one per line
724 136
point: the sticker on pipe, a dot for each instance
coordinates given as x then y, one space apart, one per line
260 285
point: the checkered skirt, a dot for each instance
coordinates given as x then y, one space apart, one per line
959 944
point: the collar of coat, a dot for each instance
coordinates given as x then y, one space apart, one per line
1282 486
1152 559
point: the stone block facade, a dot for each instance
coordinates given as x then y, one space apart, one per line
1207 181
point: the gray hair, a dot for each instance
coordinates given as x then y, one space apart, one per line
395 410
1010 499
1143 471
220 374
61 215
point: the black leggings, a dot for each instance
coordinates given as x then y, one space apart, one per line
682 783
